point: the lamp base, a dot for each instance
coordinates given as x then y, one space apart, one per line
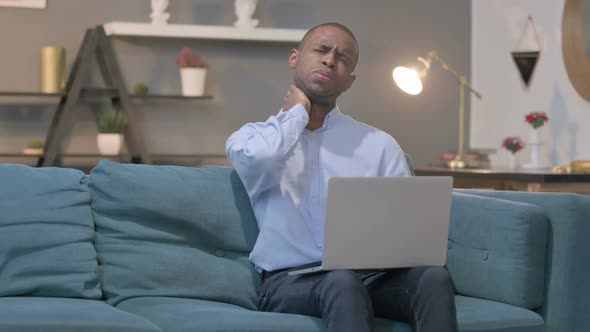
458 162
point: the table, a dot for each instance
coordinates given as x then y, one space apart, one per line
512 179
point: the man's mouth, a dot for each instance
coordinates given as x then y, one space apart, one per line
324 76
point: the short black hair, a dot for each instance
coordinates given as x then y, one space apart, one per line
328 24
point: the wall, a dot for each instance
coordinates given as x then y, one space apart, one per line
497 27
248 80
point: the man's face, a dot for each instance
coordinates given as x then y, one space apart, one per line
324 65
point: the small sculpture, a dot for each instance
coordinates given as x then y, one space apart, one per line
244 10
159 15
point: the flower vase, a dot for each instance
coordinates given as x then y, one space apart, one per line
193 81
512 161
109 144
535 145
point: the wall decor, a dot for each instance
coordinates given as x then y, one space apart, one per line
159 15
24 3
526 60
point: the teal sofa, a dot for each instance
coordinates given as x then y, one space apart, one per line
165 248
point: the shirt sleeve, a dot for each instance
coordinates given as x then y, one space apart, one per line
394 161
257 151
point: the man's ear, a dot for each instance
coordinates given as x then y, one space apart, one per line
350 80
293 58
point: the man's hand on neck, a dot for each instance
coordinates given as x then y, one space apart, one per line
296 96
317 111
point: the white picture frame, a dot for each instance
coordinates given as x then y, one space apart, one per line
24 3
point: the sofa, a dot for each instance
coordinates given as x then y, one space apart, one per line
165 248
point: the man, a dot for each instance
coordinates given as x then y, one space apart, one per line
285 164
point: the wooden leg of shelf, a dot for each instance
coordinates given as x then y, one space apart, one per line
65 114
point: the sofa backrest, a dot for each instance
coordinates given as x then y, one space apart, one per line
567 290
46 234
173 231
497 249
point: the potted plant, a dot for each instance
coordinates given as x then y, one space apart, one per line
140 89
537 121
35 147
512 144
193 71
111 126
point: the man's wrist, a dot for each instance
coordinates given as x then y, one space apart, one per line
300 111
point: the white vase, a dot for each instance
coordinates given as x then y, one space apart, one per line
109 144
512 161
193 81
535 146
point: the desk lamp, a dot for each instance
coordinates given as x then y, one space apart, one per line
410 81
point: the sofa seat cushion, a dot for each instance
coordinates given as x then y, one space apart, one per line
46 234
173 231
497 250
184 315
47 314
477 315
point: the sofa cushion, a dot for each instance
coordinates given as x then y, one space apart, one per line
187 315
184 315
567 288
497 250
46 234
173 231
477 315
47 314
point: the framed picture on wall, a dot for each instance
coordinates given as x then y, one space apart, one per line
24 3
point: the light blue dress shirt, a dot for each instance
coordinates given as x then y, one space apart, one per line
285 169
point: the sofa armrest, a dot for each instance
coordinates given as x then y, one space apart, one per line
567 292
497 250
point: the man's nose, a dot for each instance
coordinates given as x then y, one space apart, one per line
328 60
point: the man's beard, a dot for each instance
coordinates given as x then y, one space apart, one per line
314 98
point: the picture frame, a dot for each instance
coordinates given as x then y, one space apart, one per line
24 3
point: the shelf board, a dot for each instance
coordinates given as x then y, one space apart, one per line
18 155
194 31
29 94
108 92
24 97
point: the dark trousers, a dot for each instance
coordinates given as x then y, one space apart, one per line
348 301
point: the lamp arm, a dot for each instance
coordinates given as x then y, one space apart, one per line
462 80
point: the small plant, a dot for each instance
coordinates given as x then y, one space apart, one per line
536 119
36 144
140 89
186 59
513 144
112 122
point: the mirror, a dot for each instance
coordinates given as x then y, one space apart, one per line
575 44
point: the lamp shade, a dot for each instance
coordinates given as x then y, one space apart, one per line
408 80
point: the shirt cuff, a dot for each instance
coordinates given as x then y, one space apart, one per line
299 112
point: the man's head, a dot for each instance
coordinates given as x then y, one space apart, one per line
324 62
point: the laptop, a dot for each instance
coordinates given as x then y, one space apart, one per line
380 223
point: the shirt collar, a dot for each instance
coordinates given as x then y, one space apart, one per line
331 118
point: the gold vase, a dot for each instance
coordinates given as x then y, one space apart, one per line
53 69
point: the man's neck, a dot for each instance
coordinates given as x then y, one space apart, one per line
317 115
